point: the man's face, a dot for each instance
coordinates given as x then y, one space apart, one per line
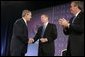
28 16
44 19
73 8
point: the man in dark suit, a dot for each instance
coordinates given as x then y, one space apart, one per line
19 39
46 35
75 29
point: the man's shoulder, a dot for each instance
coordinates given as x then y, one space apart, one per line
18 20
51 24
81 14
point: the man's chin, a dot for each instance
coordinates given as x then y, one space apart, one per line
28 20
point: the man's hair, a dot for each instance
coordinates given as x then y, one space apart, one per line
80 4
24 12
45 15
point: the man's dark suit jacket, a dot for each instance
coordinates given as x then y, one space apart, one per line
19 38
76 36
47 48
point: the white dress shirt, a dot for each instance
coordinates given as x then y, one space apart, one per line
24 20
45 25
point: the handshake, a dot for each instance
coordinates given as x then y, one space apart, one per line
43 40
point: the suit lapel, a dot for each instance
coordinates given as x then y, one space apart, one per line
76 18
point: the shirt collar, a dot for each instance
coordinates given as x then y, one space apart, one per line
77 13
45 24
24 20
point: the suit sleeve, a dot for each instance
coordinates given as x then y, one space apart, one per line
74 28
53 35
66 31
37 36
77 28
19 32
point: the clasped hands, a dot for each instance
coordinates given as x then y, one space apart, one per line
43 40
63 22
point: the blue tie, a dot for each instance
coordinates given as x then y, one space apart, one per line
43 30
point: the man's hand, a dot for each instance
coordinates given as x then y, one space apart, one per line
43 40
64 23
31 40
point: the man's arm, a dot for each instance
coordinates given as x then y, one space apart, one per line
37 36
53 35
18 31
